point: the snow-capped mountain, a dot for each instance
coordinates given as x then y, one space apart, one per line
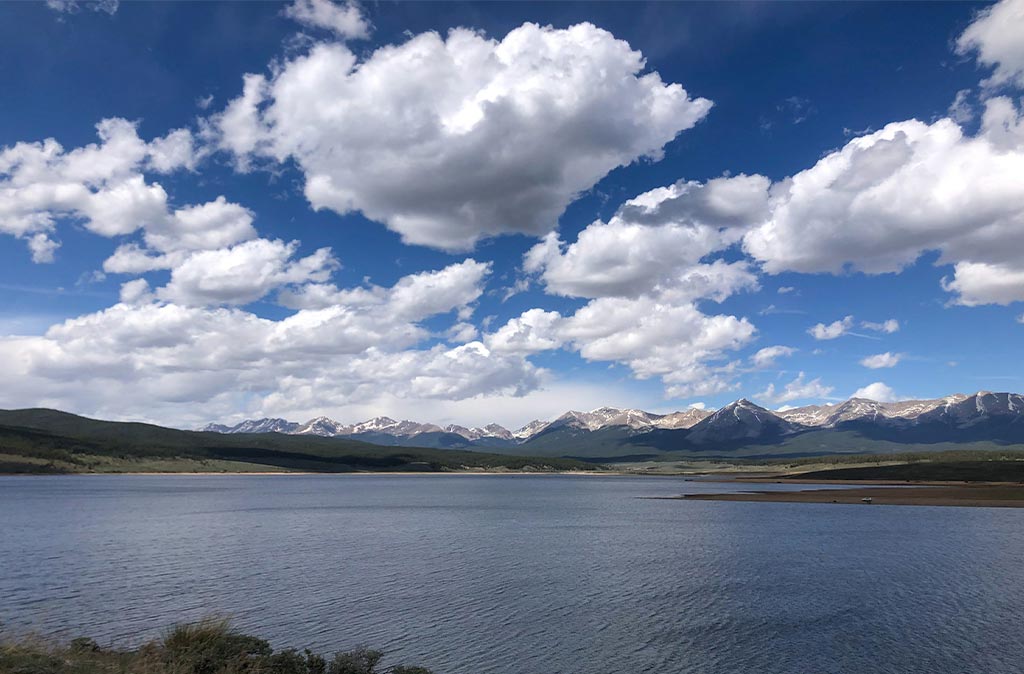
589 421
529 430
608 417
982 416
320 426
488 431
381 428
388 426
685 419
255 426
964 412
741 420
862 409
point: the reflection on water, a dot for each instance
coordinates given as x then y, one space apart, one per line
520 574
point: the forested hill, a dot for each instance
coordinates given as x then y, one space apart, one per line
50 441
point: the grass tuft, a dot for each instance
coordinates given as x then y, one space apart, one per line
209 646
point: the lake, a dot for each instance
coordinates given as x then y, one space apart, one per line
519 574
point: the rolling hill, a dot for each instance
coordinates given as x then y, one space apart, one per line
44 440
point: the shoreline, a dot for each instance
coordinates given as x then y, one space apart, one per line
945 494
410 473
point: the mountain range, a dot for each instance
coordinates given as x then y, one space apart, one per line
740 428
387 431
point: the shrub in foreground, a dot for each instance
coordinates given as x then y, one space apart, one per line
206 647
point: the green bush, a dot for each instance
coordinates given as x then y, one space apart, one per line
206 647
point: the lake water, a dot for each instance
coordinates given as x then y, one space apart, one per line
520 574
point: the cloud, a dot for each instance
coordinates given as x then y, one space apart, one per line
785 290
345 19
427 294
136 291
657 241
884 199
832 330
960 110
414 297
978 283
100 185
168 355
767 356
643 273
657 336
881 360
771 310
994 38
460 333
243 273
661 335
72 6
877 391
175 150
888 326
208 226
534 331
797 389
450 140
42 247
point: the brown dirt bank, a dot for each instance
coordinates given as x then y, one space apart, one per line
973 495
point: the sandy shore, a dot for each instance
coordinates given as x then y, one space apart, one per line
993 495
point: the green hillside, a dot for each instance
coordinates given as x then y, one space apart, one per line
991 470
43 440
826 442
616 444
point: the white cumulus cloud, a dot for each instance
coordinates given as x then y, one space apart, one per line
877 391
885 198
534 331
103 186
243 273
413 297
881 360
448 140
42 247
657 241
167 355
797 389
994 37
978 283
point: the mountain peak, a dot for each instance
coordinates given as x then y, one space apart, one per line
744 402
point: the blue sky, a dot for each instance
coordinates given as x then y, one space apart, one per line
320 208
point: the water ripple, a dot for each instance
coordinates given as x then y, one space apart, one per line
519 575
